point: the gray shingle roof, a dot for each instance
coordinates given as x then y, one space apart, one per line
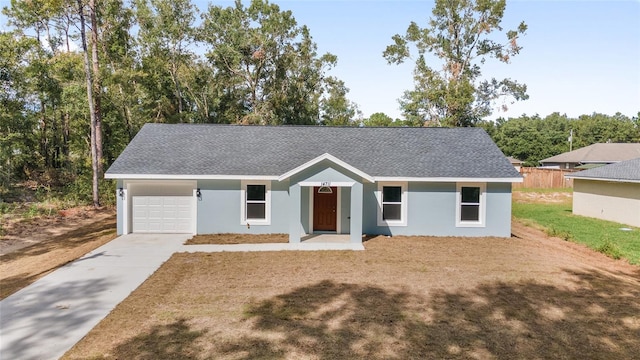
187 149
624 171
598 153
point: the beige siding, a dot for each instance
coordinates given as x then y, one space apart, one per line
615 201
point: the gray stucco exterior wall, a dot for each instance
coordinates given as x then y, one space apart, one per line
345 210
119 209
220 204
431 210
431 207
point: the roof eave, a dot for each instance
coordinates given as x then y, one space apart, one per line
602 179
450 179
188 177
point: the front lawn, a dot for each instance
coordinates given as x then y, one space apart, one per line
600 235
403 298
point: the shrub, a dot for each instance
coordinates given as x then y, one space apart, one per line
610 249
564 235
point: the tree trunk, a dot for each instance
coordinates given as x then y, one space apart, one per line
97 85
44 148
87 71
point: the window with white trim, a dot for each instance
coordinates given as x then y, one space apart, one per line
470 204
392 204
256 203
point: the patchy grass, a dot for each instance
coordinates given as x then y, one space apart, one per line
599 235
22 267
402 298
226 239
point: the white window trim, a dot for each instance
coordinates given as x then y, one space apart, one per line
482 213
243 203
403 207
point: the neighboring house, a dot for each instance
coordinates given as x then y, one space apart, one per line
299 180
517 164
610 192
595 154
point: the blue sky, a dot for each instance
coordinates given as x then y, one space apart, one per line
578 57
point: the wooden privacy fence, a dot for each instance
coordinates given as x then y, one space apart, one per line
544 178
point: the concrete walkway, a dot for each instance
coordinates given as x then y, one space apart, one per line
45 319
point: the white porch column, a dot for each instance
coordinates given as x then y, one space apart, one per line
356 213
294 213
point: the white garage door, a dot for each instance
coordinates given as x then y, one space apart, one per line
163 214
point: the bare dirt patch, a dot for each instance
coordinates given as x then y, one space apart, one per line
542 197
528 296
226 239
20 233
33 248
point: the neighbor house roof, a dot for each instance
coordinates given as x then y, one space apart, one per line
233 151
598 153
624 171
514 161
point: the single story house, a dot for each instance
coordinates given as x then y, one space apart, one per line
517 164
205 179
593 155
610 192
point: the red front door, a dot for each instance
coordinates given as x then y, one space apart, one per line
324 210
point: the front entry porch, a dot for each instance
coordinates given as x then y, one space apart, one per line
326 238
325 175
326 212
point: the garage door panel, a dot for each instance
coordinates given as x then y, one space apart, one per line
162 214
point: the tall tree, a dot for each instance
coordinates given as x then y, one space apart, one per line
268 65
17 140
335 108
94 112
449 87
166 33
378 119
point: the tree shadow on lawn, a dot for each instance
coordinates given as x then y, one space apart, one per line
171 341
596 315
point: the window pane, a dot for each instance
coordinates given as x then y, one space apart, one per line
470 194
391 194
391 212
470 213
256 192
256 211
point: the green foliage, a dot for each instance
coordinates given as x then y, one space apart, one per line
599 235
336 109
532 139
269 69
261 67
449 88
564 235
610 249
382 120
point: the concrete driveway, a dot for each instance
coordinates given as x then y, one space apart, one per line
45 319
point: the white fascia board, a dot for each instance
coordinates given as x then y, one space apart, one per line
333 159
331 183
602 179
189 177
450 179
